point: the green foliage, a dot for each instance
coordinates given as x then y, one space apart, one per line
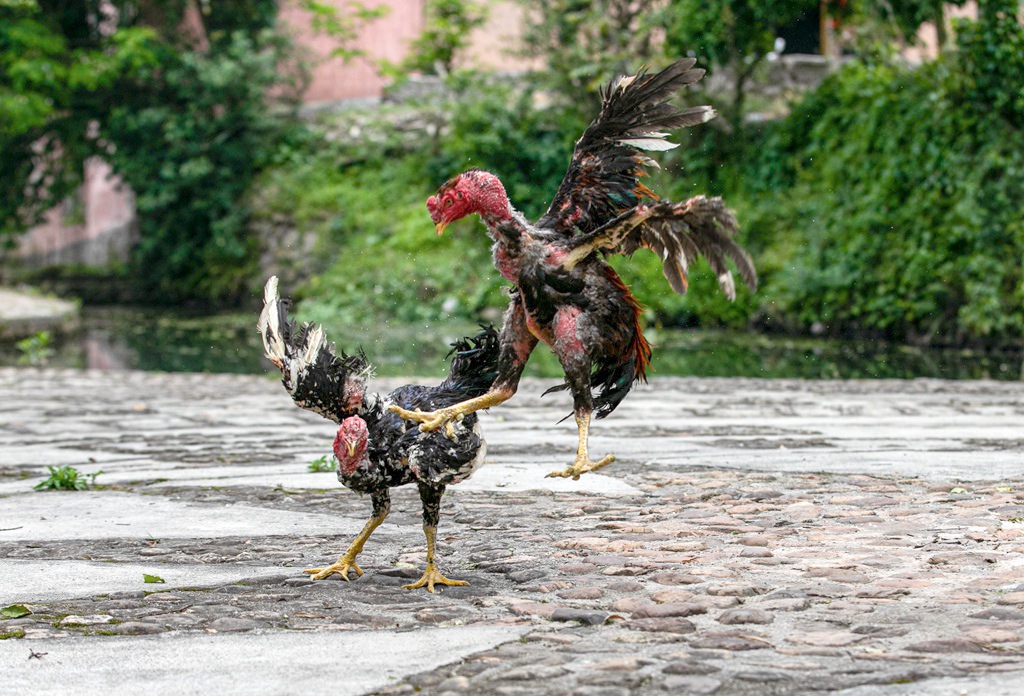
497 127
447 31
584 43
53 85
342 26
152 579
67 478
365 199
36 350
322 465
991 60
189 144
186 126
898 211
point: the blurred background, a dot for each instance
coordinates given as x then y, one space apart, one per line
160 158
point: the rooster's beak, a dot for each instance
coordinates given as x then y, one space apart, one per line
350 447
440 227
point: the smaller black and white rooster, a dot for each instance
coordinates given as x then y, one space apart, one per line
376 449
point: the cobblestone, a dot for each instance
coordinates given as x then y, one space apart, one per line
714 568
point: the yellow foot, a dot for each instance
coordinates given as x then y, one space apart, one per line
581 466
341 568
432 576
428 421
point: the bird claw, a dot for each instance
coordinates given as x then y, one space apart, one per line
432 576
429 421
341 568
581 466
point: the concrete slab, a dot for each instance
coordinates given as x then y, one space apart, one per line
291 662
1009 684
105 514
44 581
516 477
512 475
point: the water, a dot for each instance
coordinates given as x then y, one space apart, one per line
169 341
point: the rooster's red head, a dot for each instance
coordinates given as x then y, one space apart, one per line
350 443
473 191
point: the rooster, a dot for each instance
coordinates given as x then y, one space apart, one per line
564 293
376 449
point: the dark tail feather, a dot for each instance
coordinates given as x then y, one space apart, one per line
474 366
613 381
610 383
316 378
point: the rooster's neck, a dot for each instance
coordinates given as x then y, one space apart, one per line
508 226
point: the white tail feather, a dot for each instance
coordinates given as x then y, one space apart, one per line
314 341
268 324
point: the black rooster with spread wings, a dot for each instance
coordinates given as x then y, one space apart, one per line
376 449
565 294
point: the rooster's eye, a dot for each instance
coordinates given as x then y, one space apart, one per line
448 203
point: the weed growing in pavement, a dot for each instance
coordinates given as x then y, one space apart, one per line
67 478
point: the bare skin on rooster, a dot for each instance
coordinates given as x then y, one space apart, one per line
564 294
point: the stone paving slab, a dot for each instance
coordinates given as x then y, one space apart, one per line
753 538
273 663
993 685
45 581
115 514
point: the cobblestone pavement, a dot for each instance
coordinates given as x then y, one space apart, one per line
754 537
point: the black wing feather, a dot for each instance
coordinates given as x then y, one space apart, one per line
604 173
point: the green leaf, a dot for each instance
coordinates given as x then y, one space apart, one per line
15 611
152 579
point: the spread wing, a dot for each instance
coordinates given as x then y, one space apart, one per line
605 170
678 233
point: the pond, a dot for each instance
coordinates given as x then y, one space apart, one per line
125 338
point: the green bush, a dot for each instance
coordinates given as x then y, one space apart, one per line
898 209
189 145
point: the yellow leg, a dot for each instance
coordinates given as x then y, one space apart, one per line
347 561
433 420
583 463
432 576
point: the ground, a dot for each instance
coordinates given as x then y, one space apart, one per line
753 537
24 314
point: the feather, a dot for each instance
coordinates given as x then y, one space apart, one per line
650 144
608 160
269 323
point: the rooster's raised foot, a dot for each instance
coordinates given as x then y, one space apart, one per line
428 421
582 466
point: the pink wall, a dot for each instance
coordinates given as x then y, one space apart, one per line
491 47
334 79
101 230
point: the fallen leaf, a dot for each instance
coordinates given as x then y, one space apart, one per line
152 578
15 611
